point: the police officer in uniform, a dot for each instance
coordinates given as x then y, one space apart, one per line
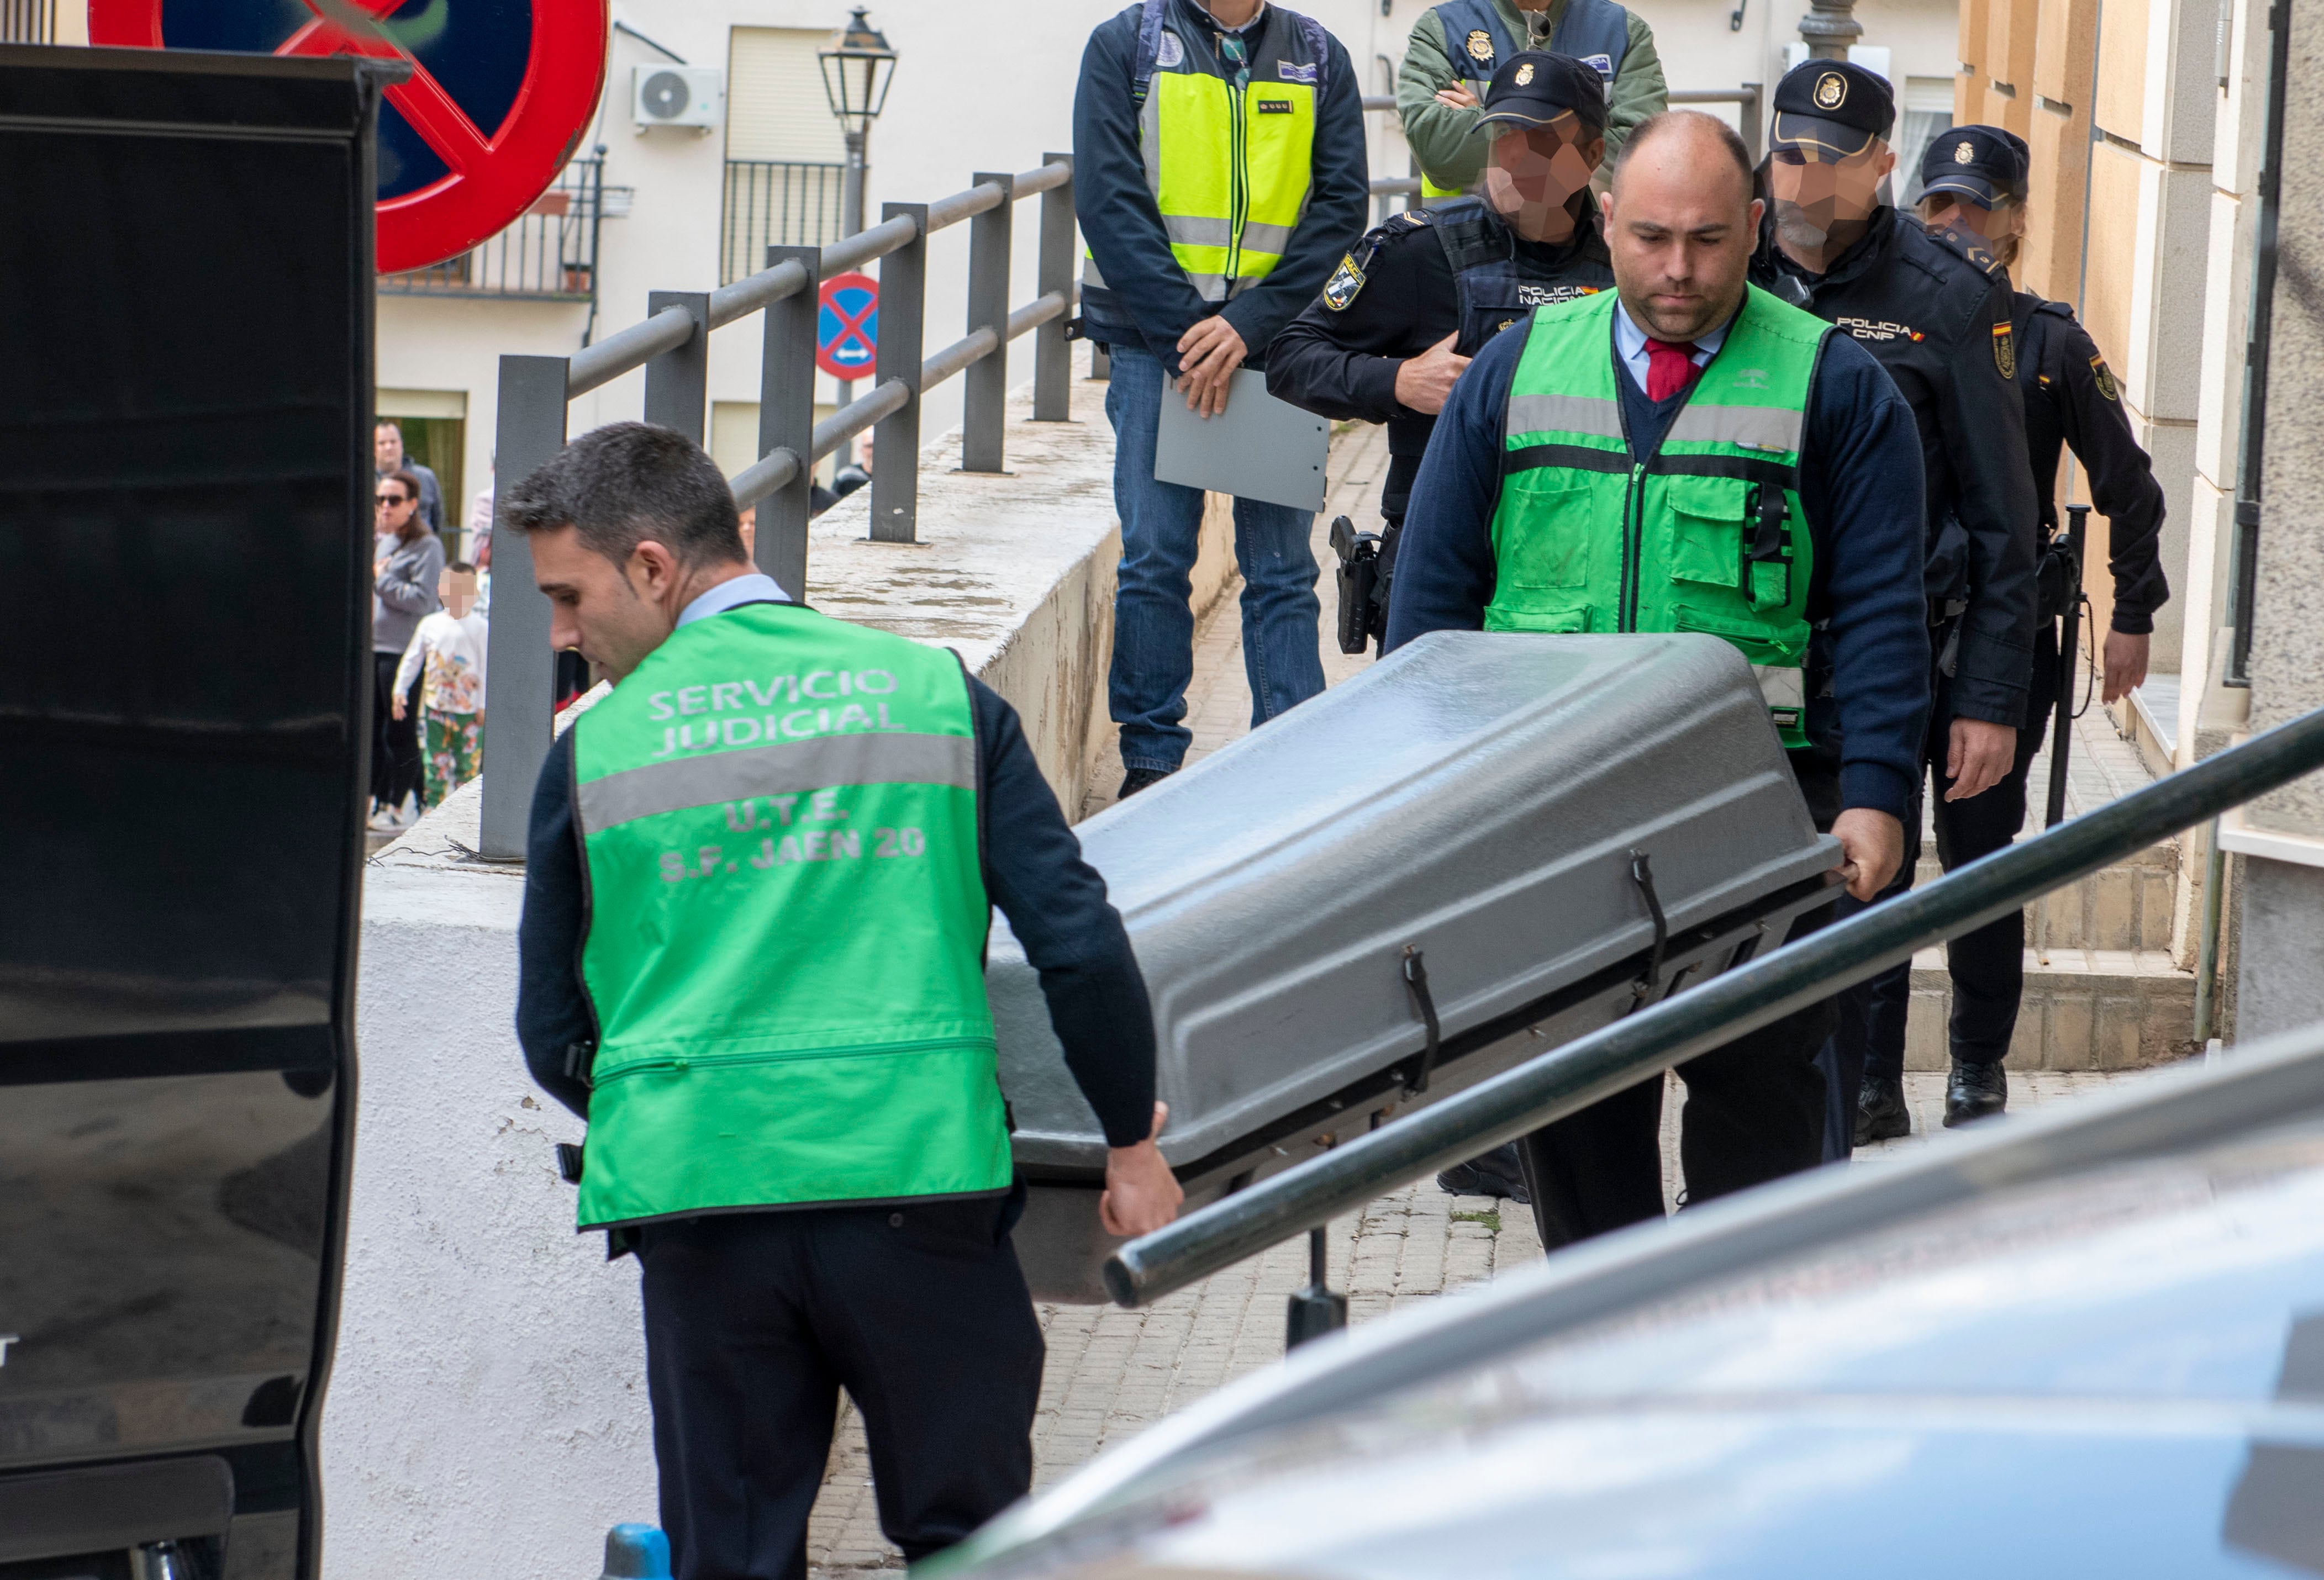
1403 314
1689 452
759 878
1973 186
1457 48
1943 330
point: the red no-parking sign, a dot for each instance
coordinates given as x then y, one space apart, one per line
530 71
847 329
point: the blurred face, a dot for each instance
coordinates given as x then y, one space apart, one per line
1535 171
394 505
614 615
1817 193
1680 224
387 447
457 589
2000 227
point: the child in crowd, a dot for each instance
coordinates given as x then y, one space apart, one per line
448 646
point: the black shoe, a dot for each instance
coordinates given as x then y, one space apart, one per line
1496 1173
1137 779
1880 1111
1974 1092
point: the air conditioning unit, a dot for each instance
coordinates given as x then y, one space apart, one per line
675 96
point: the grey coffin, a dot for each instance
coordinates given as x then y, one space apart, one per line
1477 797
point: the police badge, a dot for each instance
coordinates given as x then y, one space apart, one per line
1480 47
1830 91
2104 376
2004 351
1346 281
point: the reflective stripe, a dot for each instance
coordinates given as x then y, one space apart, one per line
1091 274
1214 287
1783 686
1266 238
1568 414
776 770
1186 231
1758 428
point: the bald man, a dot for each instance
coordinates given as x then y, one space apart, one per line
1687 453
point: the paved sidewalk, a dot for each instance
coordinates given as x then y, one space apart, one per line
1113 1373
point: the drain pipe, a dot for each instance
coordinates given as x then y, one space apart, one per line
2242 574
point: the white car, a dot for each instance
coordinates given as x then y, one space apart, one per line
2085 1342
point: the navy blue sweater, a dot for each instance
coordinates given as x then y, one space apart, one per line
1860 484
1033 869
1147 296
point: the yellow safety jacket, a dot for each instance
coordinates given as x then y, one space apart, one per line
1229 146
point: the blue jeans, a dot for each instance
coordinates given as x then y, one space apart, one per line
1153 614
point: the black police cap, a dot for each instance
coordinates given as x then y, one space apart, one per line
1535 87
1835 106
1985 164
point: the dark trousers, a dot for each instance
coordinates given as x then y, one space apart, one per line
394 742
1987 967
1755 1108
755 1321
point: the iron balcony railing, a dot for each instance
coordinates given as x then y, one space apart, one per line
28 22
548 254
775 203
1642 1045
672 346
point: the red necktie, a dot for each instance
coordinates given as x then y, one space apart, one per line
1669 365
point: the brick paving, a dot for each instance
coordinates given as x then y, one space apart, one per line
1113 1373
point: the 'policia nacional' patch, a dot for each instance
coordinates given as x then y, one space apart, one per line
2004 351
2104 376
1479 45
1346 281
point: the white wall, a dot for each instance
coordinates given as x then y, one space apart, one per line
975 89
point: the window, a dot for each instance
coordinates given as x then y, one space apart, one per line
784 151
1927 110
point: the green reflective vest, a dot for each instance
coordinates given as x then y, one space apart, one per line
1229 167
786 927
1705 534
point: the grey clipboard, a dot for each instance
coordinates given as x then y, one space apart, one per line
1258 448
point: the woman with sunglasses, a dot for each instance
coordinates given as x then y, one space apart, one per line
407 561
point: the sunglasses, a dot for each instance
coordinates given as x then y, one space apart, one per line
394 499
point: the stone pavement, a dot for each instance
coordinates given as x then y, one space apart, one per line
1111 1372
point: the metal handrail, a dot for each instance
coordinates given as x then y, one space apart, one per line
627 349
1641 1046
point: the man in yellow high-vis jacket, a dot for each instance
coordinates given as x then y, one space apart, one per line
1219 176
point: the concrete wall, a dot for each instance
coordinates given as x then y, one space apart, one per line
489 1399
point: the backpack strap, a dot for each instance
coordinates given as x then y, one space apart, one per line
1149 47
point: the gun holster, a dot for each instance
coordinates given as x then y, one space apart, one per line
1358 578
2057 579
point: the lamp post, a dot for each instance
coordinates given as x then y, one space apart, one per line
858 65
1830 27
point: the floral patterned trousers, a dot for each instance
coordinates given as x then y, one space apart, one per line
455 753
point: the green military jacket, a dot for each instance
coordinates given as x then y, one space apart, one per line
1443 138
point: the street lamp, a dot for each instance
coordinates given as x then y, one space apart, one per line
857 65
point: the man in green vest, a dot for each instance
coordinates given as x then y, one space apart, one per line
1457 46
1687 454
759 878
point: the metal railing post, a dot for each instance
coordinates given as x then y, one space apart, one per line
528 430
787 421
896 441
677 382
1053 357
984 392
1754 125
